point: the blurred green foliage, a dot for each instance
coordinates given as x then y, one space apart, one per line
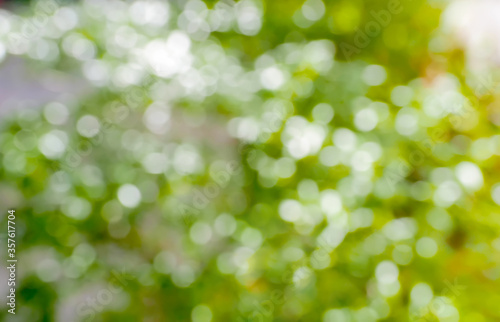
251 161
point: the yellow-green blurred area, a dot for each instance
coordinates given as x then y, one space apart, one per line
331 161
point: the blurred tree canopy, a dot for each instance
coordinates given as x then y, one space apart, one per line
250 161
